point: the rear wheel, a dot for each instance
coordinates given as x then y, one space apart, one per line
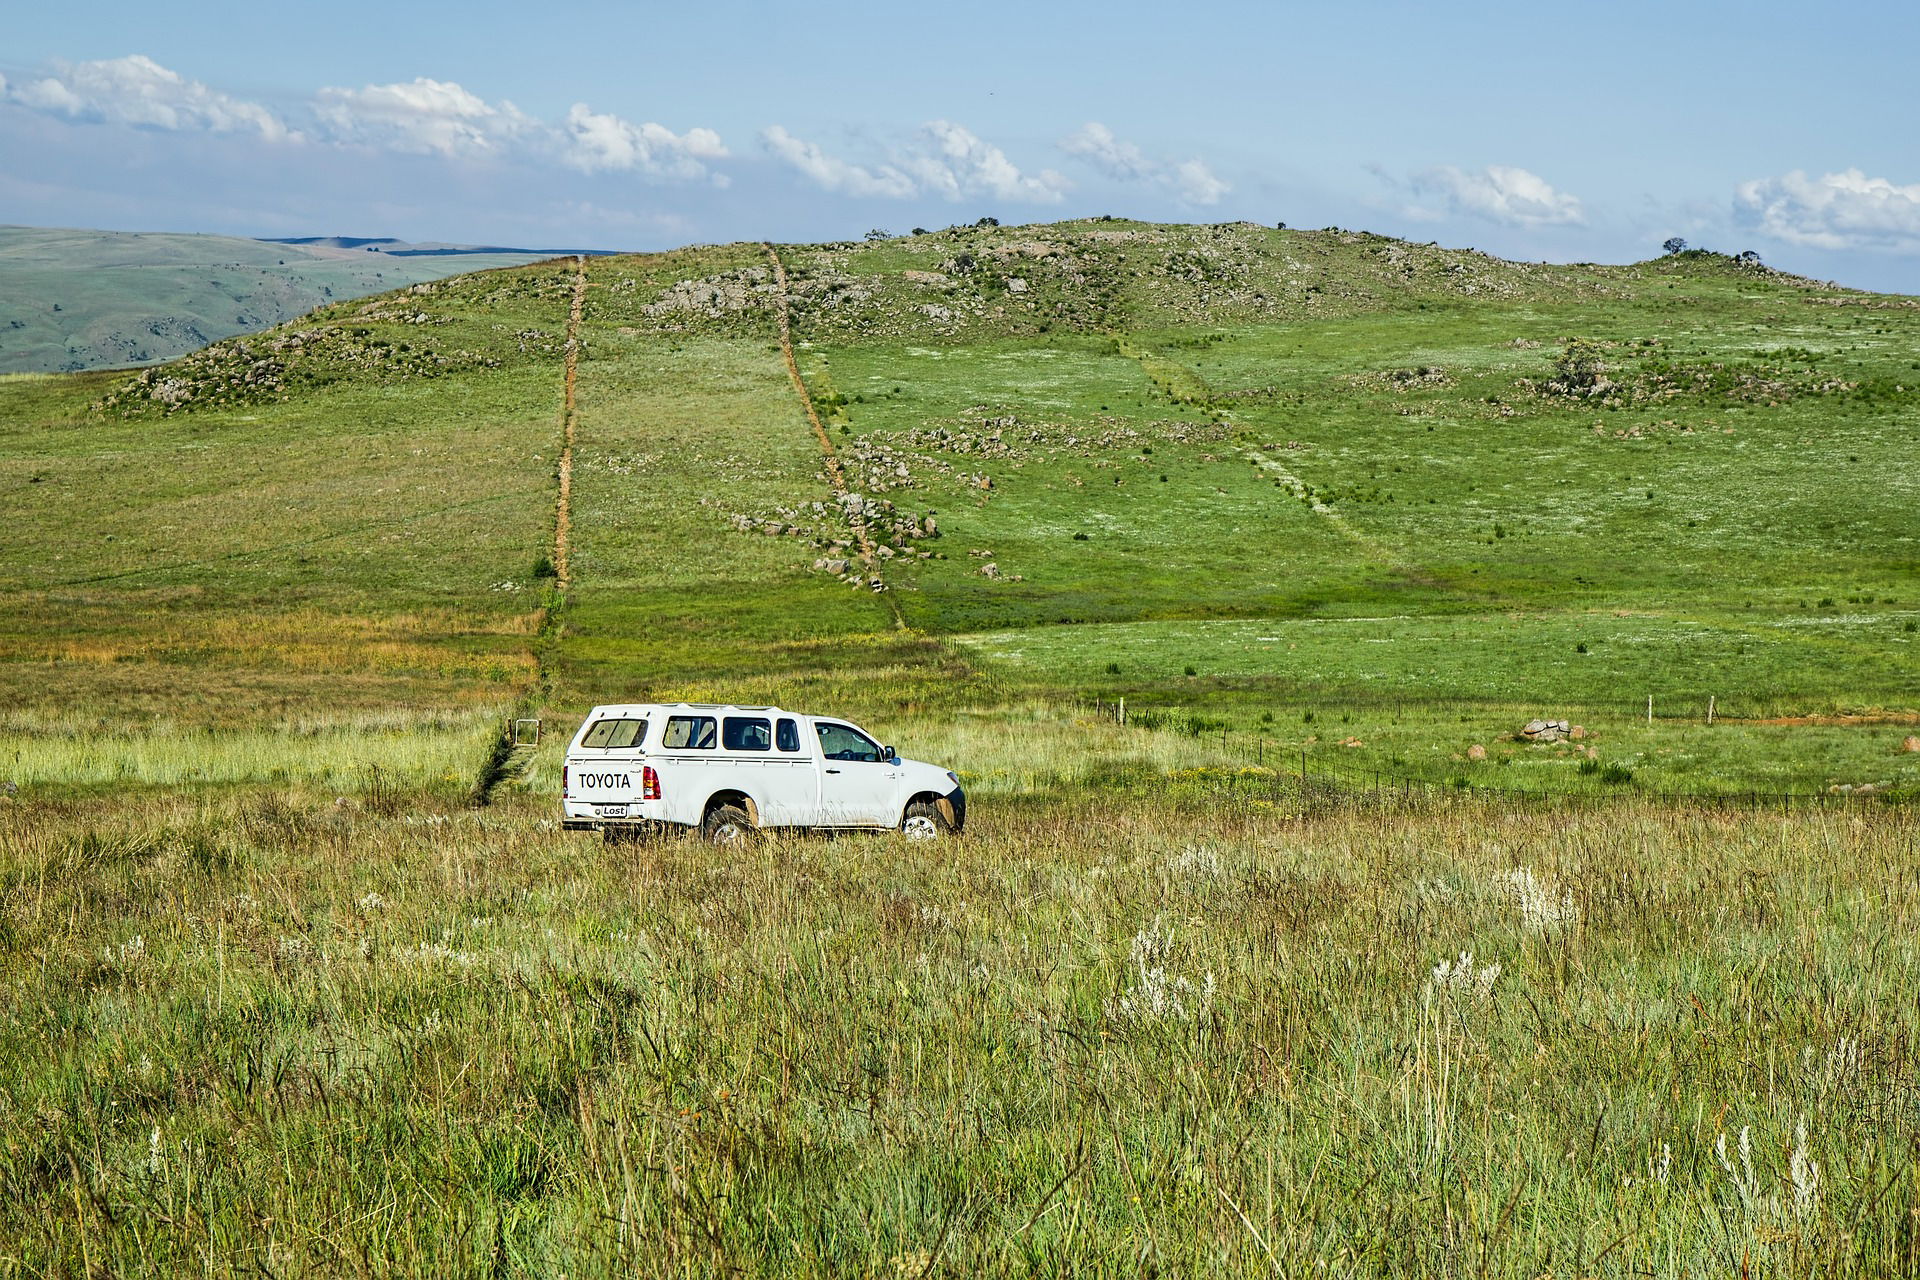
925 822
727 824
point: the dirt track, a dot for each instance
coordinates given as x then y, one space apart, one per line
834 472
569 417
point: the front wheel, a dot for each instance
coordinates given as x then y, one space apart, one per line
728 824
925 822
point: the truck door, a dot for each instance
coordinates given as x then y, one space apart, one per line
857 784
604 769
793 779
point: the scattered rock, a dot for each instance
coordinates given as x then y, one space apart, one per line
1476 752
1545 731
1910 743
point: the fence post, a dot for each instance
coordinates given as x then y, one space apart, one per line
1649 711
1710 708
1123 712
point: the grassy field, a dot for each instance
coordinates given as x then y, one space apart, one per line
1189 1033
300 976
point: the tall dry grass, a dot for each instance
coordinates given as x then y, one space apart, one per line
1105 1033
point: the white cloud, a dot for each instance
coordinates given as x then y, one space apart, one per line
1195 183
943 159
1836 211
596 141
422 117
1498 193
136 90
834 174
955 162
1096 143
1191 181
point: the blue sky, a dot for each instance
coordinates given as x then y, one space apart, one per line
1529 130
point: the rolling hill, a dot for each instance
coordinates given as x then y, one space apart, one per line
1325 488
74 300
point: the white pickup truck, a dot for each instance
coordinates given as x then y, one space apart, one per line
729 770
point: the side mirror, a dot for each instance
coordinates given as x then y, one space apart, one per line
890 755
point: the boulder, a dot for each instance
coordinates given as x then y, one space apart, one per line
1910 743
1545 731
1476 752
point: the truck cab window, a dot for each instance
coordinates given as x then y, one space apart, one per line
839 742
745 733
789 736
689 731
614 735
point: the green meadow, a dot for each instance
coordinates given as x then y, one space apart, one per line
301 977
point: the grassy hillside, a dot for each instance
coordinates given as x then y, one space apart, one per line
74 300
1314 489
298 974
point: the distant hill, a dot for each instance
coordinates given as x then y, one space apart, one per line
75 300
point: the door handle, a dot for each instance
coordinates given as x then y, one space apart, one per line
833 771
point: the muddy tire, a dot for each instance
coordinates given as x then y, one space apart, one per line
925 821
728 824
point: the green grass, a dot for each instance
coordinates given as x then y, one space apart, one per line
278 1031
1169 429
361 552
397 748
275 993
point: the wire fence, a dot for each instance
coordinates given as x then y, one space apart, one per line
1336 777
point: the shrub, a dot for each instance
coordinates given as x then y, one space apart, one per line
1578 369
